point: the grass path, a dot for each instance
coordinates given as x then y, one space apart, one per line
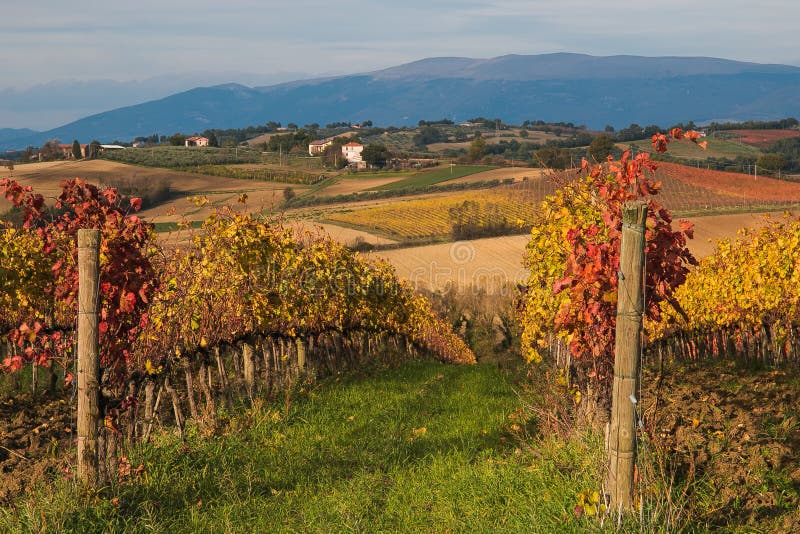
420 448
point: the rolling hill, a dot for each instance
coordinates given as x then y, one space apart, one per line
583 89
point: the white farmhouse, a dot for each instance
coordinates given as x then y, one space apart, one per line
352 152
315 148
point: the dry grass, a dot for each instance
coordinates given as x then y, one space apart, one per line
517 173
346 186
493 264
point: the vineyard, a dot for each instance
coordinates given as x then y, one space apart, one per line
689 190
195 339
250 172
246 308
763 138
741 302
173 157
507 209
236 163
738 304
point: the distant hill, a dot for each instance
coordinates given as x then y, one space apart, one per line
15 133
46 105
595 91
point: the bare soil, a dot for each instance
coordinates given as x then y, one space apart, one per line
731 435
37 440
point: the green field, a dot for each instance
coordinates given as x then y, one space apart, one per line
421 448
717 148
172 157
435 176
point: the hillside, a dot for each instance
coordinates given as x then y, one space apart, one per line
595 91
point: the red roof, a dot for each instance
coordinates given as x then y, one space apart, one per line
353 144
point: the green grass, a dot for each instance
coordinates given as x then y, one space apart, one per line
348 456
161 227
382 174
435 176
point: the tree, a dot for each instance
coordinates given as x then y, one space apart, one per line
212 139
93 149
376 155
332 157
600 147
553 157
76 149
523 133
50 150
428 135
177 139
477 149
289 194
771 162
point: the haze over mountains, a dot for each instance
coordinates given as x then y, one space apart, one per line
595 91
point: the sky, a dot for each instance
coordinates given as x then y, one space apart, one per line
46 40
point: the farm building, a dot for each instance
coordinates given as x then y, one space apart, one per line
66 150
352 152
197 140
315 148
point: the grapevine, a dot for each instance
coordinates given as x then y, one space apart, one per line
573 257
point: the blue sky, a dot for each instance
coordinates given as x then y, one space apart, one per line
48 40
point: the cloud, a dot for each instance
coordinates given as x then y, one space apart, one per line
135 40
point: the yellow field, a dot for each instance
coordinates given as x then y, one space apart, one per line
493 264
430 217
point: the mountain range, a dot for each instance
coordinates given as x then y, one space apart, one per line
583 89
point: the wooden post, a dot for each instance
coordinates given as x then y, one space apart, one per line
622 432
88 355
301 353
249 365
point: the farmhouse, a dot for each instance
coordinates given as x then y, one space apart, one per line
315 148
352 152
66 150
197 140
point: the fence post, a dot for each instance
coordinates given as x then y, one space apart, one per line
622 433
88 354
